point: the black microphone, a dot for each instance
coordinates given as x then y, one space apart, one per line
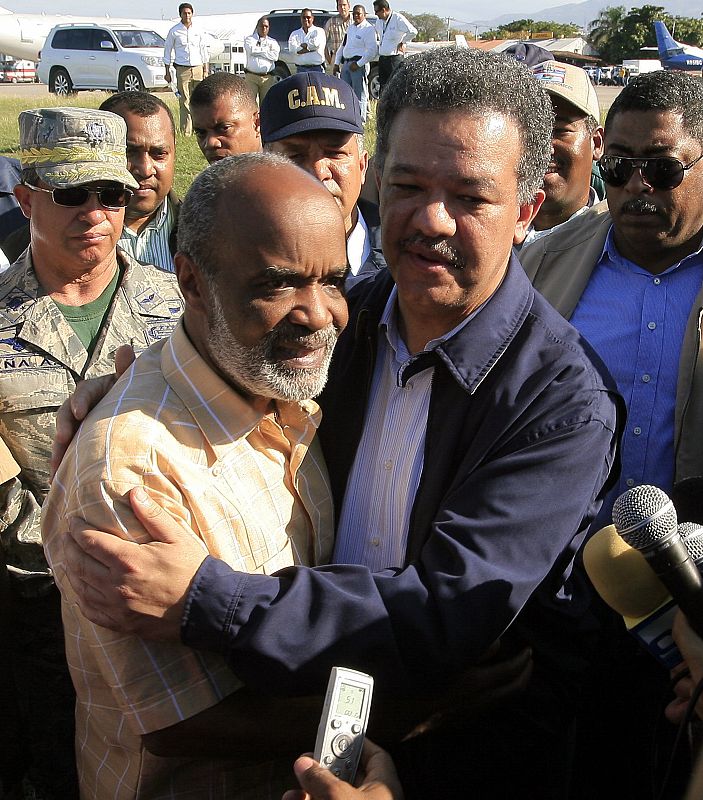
645 518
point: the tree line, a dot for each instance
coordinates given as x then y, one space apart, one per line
616 34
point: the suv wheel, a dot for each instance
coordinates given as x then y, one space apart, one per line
374 84
131 81
60 83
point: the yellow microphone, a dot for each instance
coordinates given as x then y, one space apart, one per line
625 581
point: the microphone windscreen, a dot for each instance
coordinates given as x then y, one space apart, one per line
621 575
644 516
692 536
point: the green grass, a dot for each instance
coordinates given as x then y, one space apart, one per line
189 159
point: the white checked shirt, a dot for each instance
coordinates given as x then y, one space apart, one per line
254 488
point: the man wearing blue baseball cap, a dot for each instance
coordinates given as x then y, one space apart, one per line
315 119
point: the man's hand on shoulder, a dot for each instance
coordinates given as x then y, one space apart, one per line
133 588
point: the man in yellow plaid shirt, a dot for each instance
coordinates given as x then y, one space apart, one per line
217 422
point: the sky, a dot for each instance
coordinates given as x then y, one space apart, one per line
466 12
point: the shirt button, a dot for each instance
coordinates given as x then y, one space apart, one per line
646 378
630 481
651 325
657 281
216 470
387 465
375 541
637 430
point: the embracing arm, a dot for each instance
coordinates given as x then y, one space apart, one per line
501 531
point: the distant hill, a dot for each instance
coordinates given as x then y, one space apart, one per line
582 13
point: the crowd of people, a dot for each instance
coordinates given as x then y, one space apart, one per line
376 412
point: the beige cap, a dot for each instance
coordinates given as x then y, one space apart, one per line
571 83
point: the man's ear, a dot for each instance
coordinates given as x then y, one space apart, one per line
257 123
24 198
364 165
527 213
192 283
598 140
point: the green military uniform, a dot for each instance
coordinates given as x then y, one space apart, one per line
42 359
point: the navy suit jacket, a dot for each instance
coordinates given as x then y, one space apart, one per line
521 440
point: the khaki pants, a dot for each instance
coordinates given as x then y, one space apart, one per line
187 78
260 84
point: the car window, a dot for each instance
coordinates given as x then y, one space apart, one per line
73 39
132 38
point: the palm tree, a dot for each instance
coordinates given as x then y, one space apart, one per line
603 32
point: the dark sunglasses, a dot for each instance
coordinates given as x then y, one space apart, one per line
660 173
108 196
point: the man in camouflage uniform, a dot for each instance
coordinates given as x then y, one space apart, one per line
66 305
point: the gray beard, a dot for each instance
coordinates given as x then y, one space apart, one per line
255 370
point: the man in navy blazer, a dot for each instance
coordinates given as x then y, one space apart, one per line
470 435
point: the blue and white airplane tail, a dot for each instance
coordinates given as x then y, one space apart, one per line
675 55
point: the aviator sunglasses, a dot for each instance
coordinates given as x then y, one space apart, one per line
661 172
111 197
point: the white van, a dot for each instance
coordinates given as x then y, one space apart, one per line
91 56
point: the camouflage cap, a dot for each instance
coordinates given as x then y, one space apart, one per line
72 146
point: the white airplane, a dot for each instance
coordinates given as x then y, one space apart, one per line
22 36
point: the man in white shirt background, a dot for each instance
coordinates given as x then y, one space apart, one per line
261 52
335 28
190 50
358 49
393 31
307 43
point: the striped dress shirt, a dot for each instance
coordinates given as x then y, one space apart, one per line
254 488
151 244
378 501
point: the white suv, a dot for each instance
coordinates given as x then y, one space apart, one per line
90 56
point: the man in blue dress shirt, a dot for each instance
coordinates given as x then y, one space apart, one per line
628 274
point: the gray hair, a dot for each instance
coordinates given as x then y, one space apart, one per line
663 90
199 225
449 78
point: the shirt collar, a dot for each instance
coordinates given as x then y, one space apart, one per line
220 411
158 219
611 252
403 360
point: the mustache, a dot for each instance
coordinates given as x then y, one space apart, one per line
439 246
638 205
289 333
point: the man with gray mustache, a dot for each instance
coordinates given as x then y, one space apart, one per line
218 423
628 274
458 400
